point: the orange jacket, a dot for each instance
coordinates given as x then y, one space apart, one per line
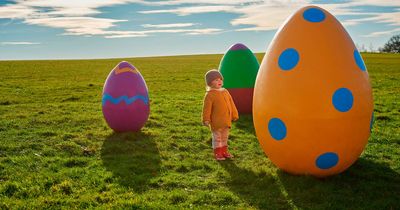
219 109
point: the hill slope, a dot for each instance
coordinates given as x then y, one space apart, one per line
57 151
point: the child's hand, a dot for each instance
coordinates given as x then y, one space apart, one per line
206 123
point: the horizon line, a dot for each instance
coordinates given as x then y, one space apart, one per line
150 56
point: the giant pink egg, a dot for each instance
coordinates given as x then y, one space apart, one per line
125 101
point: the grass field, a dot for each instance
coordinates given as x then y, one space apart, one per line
56 150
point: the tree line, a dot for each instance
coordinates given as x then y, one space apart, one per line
391 46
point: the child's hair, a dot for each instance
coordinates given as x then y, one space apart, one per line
210 76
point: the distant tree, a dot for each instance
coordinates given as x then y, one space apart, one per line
362 48
393 45
371 47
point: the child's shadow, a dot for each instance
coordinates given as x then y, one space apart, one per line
365 185
258 190
133 158
245 124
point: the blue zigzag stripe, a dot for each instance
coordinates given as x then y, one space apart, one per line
107 97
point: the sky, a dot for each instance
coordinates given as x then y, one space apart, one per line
85 29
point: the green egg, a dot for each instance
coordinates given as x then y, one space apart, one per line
239 67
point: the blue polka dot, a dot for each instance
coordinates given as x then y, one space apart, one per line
327 160
372 122
359 60
288 59
314 15
277 128
342 99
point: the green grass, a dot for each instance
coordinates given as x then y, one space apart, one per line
56 150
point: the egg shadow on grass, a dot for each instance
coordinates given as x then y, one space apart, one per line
245 124
365 185
258 190
133 158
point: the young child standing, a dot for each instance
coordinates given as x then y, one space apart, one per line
218 113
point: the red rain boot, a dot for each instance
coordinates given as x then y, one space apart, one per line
218 154
225 152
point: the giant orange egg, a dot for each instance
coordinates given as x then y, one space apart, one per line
312 105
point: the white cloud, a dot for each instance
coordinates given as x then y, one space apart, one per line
270 14
125 34
387 3
260 19
77 17
16 11
70 3
192 10
382 33
76 25
391 19
171 25
19 43
257 15
267 16
204 2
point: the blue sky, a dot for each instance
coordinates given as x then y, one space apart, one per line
81 29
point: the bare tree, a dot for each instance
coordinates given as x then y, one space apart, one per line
371 47
363 49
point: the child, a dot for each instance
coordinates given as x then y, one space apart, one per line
218 112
